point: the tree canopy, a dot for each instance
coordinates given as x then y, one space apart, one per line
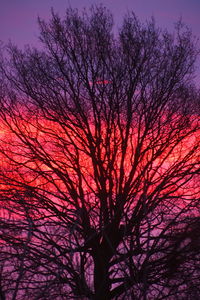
100 148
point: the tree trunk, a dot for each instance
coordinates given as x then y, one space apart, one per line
101 276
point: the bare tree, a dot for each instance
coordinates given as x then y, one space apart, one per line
100 163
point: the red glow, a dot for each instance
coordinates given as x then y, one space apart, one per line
60 148
100 82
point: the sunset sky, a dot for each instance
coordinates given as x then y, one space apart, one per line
18 18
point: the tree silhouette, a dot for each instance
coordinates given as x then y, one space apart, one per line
100 162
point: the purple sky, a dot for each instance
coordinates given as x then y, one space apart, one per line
18 18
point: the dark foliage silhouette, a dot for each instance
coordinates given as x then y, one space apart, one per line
100 163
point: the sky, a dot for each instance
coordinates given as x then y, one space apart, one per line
18 18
